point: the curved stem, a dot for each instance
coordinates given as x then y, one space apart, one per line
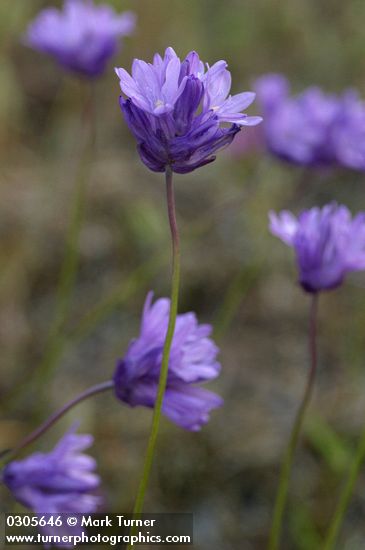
345 496
167 346
94 390
282 493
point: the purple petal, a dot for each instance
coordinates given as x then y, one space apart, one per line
284 226
190 406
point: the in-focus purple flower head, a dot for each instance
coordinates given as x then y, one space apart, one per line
82 37
328 243
193 360
313 128
181 113
61 481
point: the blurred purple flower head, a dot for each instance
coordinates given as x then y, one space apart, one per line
349 132
328 243
61 481
192 361
313 128
82 37
176 110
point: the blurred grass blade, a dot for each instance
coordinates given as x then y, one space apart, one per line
303 528
233 298
332 448
127 288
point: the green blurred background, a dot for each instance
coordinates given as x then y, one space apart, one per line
235 275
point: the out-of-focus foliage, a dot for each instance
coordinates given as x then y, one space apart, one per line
235 275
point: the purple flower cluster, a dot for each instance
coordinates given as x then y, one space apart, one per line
176 110
181 113
82 37
328 243
312 128
192 361
61 481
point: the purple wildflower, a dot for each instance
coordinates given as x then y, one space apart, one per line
313 128
192 361
176 109
328 242
82 37
297 129
61 481
349 132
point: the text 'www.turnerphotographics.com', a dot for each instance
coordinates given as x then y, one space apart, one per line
105 529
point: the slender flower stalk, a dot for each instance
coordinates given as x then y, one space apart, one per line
281 497
178 113
167 346
329 243
345 496
32 437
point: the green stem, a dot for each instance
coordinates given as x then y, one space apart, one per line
345 496
167 346
286 468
